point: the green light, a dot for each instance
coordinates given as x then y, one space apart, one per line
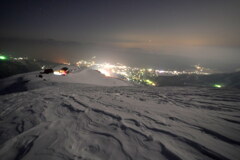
3 58
217 86
149 82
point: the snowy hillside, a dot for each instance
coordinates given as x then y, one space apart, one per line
80 117
32 80
88 76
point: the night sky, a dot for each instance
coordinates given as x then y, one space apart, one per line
160 33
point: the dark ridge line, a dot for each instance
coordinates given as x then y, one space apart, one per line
236 116
120 143
71 108
169 154
229 120
134 121
20 127
23 151
210 132
193 144
82 95
157 122
124 127
219 136
228 99
82 104
137 113
97 110
208 103
106 113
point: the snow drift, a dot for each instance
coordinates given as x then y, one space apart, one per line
88 76
58 119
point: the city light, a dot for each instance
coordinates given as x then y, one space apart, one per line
3 58
217 86
105 72
137 75
60 73
149 82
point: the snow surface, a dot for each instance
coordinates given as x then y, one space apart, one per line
58 118
88 76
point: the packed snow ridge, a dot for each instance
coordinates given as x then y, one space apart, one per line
87 116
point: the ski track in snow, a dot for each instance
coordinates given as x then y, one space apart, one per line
79 122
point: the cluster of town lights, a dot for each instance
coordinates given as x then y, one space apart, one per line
134 74
138 75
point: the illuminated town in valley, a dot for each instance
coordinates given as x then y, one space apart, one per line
135 74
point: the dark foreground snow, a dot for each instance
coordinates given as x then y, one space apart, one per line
65 121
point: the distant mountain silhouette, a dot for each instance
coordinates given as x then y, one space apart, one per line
9 68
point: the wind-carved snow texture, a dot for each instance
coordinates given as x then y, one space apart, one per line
80 122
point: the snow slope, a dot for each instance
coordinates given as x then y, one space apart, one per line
88 76
54 120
